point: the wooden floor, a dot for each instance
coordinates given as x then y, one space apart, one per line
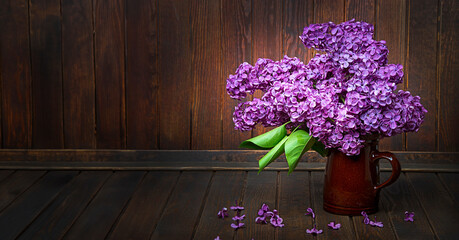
184 204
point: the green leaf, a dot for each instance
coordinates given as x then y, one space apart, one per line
319 147
272 154
297 144
266 140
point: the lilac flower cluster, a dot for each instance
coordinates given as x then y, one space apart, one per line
264 213
340 96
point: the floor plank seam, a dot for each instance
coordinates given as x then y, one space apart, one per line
8 176
123 210
165 205
423 207
86 207
446 187
204 201
48 204
25 190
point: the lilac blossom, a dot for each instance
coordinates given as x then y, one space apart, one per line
264 214
217 238
334 225
314 231
367 220
341 95
309 211
409 216
238 218
223 213
276 220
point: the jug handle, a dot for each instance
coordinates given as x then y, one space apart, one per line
396 169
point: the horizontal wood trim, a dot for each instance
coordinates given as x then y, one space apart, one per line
225 156
208 166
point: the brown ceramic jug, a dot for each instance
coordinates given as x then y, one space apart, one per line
352 182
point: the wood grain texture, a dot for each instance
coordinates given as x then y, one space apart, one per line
448 70
236 48
360 10
28 206
145 208
175 90
226 188
110 73
16 184
175 222
421 70
259 189
142 74
15 75
294 198
398 198
323 218
267 42
442 211
451 182
78 74
391 27
102 212
46 60
295 17
329 11
208 85
5 174
56 219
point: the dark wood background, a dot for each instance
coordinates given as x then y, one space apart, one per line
151 74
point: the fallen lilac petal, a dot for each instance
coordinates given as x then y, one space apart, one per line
239 218
261 220
276 221
314 231
223 213
237 225
310 212
217 238
366 220
409 216
334 226
376 224
237 208
264 208
364 214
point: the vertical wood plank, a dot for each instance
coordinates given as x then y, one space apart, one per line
401 197
55 220
328 11
441 210
422 69
294 199
176 76
267 33
260 189
183 208
110 73
390 26
236 49
78 74
144 209
46 59
448 71
15 75
142 74
361 10
207 78
296 16
96 220
26 208
226 187
323 218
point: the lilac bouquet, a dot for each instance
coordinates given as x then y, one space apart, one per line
333 102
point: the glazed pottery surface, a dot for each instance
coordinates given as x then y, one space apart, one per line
352 182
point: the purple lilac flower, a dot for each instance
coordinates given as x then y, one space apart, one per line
309 211
366 220
314 231
223 213
263 214
409 216
376 223
217 238
276 220
334 225
238 218
341 95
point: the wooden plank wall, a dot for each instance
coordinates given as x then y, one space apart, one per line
150 74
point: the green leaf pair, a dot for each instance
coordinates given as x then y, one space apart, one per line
277 140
